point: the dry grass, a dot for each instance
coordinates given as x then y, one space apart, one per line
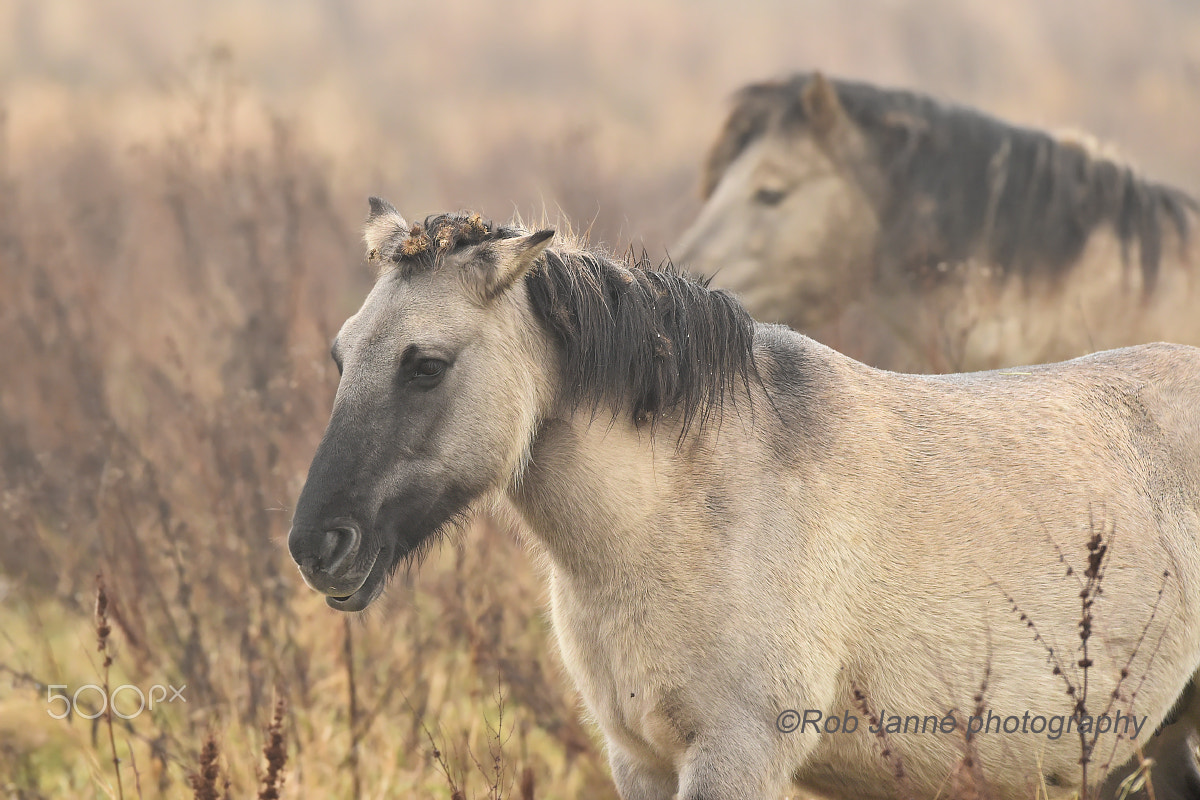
175 259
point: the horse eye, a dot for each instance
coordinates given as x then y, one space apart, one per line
428 371
770 197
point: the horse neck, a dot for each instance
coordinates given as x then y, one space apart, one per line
605 498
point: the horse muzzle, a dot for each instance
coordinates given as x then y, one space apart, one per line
333 561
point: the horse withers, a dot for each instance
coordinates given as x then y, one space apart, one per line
746 529
921 236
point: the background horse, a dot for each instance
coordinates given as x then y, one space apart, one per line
740 523
925 237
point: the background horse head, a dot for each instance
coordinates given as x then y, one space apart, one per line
919 235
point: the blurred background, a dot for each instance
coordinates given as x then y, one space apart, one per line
181 189
602 108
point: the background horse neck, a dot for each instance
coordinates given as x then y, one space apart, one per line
975 316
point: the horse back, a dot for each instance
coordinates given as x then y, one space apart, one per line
1133 409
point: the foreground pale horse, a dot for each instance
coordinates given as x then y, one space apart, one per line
740 522
919 236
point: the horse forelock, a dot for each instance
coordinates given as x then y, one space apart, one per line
419 247
755 108
962 184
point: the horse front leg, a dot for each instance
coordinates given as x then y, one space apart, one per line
637 780
734 764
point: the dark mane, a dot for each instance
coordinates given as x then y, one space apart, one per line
963 184
634 337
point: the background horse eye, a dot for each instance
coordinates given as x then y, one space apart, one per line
428 371
770 197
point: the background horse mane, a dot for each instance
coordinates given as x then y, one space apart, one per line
960 183
637 337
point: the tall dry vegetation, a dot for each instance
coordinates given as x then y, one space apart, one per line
166 322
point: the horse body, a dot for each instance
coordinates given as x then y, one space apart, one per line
873 545
739 521
922 237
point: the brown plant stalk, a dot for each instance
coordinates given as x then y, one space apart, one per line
103 630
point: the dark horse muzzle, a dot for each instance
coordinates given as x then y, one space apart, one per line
333 560
332 539
348 535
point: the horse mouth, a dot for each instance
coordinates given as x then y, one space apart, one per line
365 594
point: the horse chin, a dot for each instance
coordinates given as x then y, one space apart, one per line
365 594
415 532
389 557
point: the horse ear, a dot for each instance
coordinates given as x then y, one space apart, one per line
511 259
821 104
383 223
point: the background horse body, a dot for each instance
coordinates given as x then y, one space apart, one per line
739 521
923 237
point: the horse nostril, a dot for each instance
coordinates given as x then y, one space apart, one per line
338 545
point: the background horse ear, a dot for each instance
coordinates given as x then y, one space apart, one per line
511 259
821 104
383 223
